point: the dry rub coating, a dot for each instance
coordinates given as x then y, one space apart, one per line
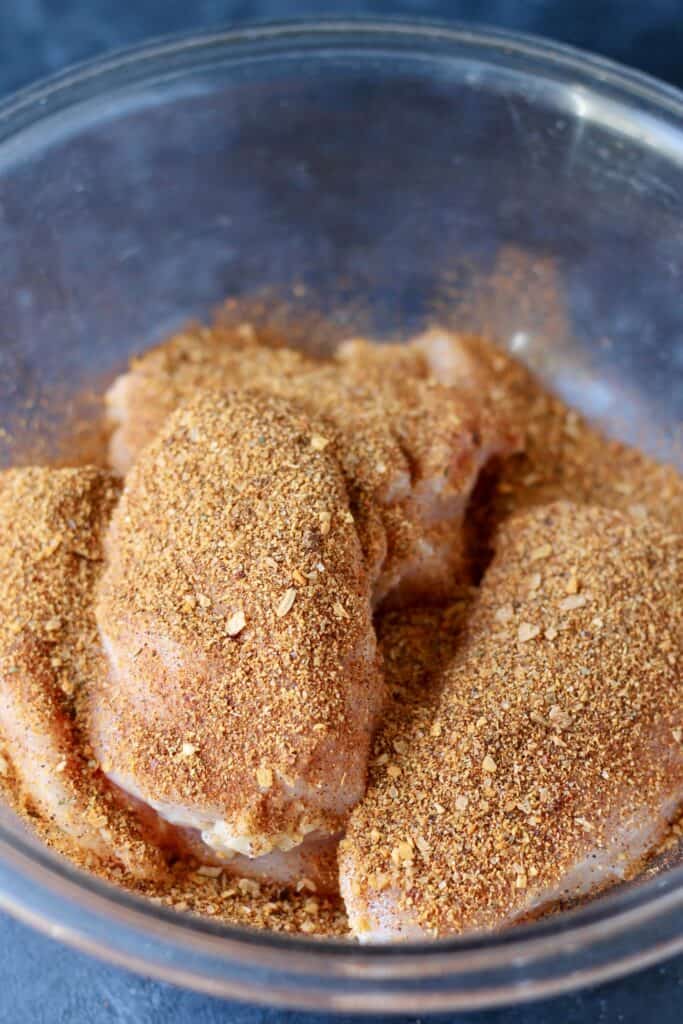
51 526
411 448
549 759
244 682
441 437
196 358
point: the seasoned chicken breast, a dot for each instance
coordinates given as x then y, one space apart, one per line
411 448
49 653
196 358
547 760
234 610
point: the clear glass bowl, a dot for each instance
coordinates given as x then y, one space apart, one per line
387 173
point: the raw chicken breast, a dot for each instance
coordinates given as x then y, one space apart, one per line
446 434
235 613
198 357
548 761
49 652
311 866
411 448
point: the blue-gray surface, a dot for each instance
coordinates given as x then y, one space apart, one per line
41 981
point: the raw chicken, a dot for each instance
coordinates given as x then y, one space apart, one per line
446 434
411 448
49 652
157 382
244 682
548 761
462 361
311 866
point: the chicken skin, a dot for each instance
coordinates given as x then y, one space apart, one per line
547 761
234 610
49 653
411 448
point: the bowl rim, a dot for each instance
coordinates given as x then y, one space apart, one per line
335 959
607 72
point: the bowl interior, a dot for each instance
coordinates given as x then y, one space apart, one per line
388 189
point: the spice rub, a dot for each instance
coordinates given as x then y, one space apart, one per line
410 447
244 682
51 527
289 569
548 760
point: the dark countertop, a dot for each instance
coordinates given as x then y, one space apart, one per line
38 37
41 981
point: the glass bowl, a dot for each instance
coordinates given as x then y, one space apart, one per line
387 175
